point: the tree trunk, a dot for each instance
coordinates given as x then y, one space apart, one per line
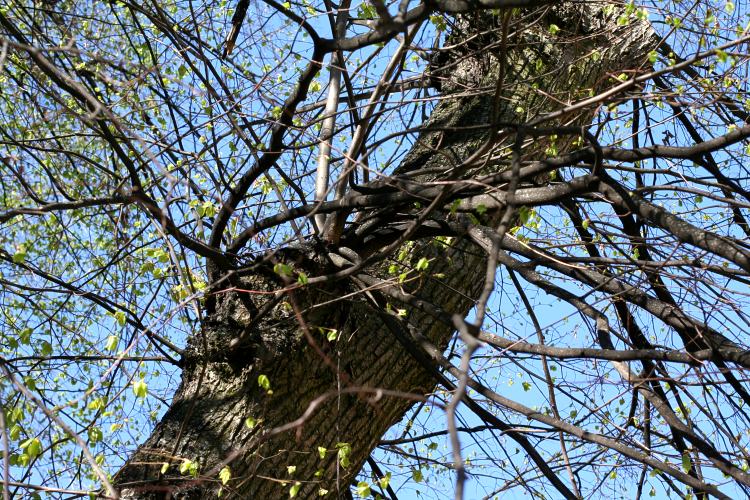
543 69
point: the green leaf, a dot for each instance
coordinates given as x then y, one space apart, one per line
686 463
32 447
439 22
283 270
322 492
416 475
526 386
653 56
185 466
363 489
46 348
264 382
422 264
112 342
294 489
164 467
120 318
524 213
385 480
367 11
302 278
140 388
96 404
554 29
189 467
30 382
457 203
20 256
291 469
16 414
225 475
15 432
250 422
95 435
25 335
344 451
322 452
207 209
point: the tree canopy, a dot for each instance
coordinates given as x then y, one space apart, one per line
380 249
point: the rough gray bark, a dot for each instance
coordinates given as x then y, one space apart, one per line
219 390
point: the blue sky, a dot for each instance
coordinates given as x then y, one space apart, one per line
264 68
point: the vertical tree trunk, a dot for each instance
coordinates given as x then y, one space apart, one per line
543 69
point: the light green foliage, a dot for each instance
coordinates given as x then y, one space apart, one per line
385 481
93 297
225 474
140 388
264 382
189 467
283 270
112 342
363 489
344 453
416 475
294 489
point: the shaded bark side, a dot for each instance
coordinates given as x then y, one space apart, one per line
206 422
